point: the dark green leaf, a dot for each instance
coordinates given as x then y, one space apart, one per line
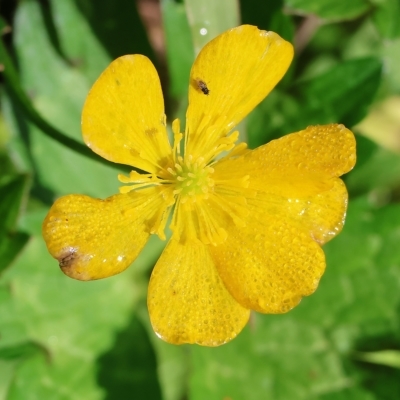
341 95
174 362
118 26
344 93
3 24
277 115
128 369
11 245
379 173
337 10
13 193
21 351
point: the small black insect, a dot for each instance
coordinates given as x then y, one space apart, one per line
203 87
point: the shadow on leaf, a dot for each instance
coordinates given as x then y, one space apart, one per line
128 369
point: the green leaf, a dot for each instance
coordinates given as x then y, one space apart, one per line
380 173
341 95
58 93
13 195
348 394
271 18
128 369
307 353
117 26
3 24
337 10
344 93
77 40
390 358
11 245
179 46
11 358
16 92
74 321
391 57
387 18
173 361
20 351
274 117
209 18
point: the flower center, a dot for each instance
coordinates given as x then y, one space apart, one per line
205 199
192 178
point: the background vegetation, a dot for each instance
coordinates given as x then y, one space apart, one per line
63 339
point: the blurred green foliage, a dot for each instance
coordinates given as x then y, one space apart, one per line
62 339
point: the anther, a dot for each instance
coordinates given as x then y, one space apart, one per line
171 171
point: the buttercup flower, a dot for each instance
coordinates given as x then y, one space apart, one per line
247 225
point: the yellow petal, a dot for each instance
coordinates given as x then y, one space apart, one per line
94 238
320 216
296 165
268 266
187 300
230 76
123 117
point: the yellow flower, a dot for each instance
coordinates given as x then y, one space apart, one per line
247 225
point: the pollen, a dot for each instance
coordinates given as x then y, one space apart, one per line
193 178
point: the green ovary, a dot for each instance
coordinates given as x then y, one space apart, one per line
193 179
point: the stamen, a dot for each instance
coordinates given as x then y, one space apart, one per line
176 129
178 167
139 181
171 171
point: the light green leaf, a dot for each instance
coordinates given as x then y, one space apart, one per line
390 358
179 46
74 321
307 353
209 18
391 57
11 359
58 93
77 40
387 18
